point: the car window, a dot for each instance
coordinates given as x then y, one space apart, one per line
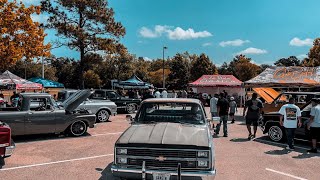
171 112
40 104
112 95
61 96
98 94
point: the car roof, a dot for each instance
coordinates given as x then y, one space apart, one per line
35 94
172 100
303 93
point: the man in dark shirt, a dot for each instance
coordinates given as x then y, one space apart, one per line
223 111
254 106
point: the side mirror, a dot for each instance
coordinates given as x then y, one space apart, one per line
129 118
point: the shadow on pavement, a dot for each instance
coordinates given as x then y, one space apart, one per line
2 162
106 173
239 140
306 155
278 152
43 137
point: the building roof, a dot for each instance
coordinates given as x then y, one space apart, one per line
216 81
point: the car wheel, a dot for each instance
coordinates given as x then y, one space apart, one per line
103 115
78 128
131 108
275 133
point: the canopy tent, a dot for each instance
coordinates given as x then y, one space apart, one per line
213 84
132 83
287 77
10 80
46 83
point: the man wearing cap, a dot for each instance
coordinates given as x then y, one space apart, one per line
314 125
233 109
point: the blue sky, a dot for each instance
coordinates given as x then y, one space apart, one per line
265 30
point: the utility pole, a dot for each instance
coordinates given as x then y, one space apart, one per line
42 67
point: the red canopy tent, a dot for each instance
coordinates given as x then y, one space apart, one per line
8 79
213 84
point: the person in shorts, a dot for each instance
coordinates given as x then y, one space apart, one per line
254 107
314 126
233 109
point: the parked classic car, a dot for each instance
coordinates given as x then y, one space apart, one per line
103 109
128 104
38 113
270 124
7 145
301 99
168 138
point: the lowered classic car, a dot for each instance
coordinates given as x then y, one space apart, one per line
128 104
270 124
103 109
38 113
167 139
7 145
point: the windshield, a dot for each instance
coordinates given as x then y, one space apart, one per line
171 112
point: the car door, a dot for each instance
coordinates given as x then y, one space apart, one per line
16 121
40 120
305 118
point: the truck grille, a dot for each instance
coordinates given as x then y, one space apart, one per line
162 152
161 164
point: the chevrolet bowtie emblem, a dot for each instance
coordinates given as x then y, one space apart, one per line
161 158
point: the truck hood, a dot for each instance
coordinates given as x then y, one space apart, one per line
166 133
73 101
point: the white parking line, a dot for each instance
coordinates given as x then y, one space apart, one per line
55 162
285 174
280 144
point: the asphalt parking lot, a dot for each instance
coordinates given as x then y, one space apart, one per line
89 157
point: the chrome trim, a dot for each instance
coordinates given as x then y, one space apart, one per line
209 173
163 148
143 170
167 158
9 151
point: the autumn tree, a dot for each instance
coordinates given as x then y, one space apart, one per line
140 68
244 69
20 37
85 26
286 62
313 55
91 79
224 69
202 66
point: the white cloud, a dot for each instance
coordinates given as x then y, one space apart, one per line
206 44
147 59
302 56
236 42
252 50
301 42
39 18
173 33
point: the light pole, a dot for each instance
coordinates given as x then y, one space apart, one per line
164 82
42 67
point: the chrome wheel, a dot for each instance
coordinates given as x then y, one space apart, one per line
78 128
103 115
131 108
275 133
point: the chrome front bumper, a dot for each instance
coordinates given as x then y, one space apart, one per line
137 173
9 150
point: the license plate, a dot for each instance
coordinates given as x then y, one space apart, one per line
158 176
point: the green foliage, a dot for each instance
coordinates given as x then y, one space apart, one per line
202 66
179 71
286 62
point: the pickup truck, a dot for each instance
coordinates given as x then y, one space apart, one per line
168 139
38 113
7 145
128 104
103 109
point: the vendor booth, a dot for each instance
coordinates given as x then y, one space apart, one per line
214 84
132 83
10 81
46 83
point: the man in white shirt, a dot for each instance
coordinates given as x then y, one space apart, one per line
213 106
164 94
157 94
314 125
291 117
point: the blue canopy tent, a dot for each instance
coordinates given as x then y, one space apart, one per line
46 83
132 83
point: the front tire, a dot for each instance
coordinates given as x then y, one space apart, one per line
131 108
103 115
78 128
276 133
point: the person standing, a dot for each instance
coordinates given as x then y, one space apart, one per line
291 116
157 94
233 109
223 109
314 125
254 107
213 106
174 94
184 94
164 94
